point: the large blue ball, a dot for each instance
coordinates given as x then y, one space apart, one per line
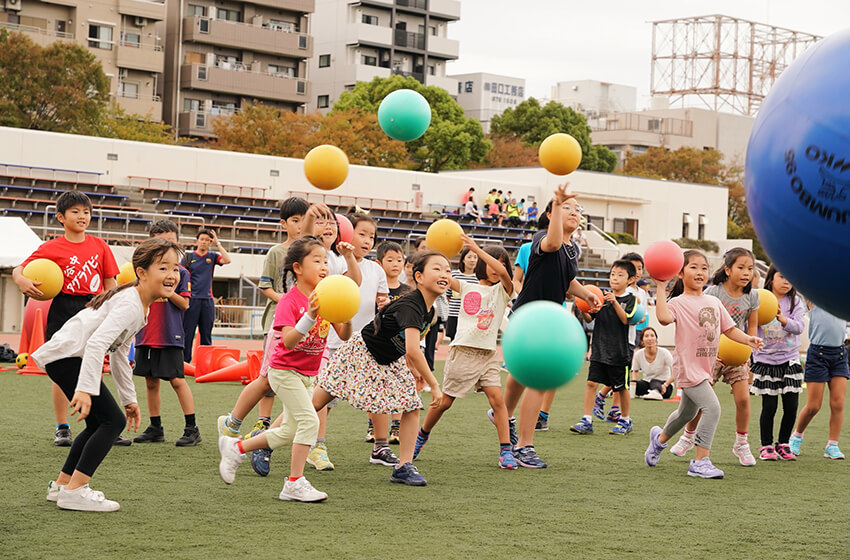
798 174
544 345
404 115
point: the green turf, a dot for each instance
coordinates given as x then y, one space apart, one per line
596 500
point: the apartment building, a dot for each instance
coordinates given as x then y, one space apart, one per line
124 35
358 40
223 53
592 97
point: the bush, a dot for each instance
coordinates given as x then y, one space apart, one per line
625 238
702 244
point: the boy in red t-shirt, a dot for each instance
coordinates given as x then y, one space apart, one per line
89 268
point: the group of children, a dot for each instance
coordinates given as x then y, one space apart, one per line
376 361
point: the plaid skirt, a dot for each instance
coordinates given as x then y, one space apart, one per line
778 379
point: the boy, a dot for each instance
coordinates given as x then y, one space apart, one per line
89 268
201 313
610 357
159 353
390 256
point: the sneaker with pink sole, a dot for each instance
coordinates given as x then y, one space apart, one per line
682 446
741 450
783 450
768 453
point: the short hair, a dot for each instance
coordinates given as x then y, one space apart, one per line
625 265
293 206
207 232
163 226
358 217
72 198
418 242
472 188
632 257
387 246
497 253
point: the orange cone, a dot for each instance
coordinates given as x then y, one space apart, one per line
677 398
195 346
254 373
24 345
212 358
188 369
36 340
240 371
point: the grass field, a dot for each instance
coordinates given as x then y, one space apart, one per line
597 499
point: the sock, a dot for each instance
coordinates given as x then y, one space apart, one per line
615 410
689 434
587 417
600 397
380 442
294 478
233 423
544 415
625 418
190 420
741 437
156 421
266 420
320 440
423 434
832 442
239 447
62 426
504 446
798 434
396 422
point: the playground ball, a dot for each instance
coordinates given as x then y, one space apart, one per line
346 230
48 273
21 359
544 345
404 115
732 353
326 167
582 305
663 260
638 316
798 174
560 154
768 307
444 236
339 298
126 274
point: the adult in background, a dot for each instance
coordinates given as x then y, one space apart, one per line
201 313
471 210
467 196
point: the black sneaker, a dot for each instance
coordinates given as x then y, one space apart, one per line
122 441
150 435
63 438
191 436
383 456
542 424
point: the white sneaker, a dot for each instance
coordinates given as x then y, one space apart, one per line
743 453
301 491
682 446
653 395
53 490
84 499
230 458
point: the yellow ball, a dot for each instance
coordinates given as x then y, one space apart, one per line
444 236
49 274
326 167
732 353
768 306
126 274
21 359
560 154
339 298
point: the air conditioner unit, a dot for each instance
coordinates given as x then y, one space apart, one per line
14 5
138 21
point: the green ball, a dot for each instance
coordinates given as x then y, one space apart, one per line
544 345
404 115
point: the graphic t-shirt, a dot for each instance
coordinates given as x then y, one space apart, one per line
549 274
306 358
454 297
386 341
373 281
201 272
84 265
782 343
482 309
739 308
165 320
610 343
699 322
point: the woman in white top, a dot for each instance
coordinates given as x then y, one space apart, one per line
73 359
655 366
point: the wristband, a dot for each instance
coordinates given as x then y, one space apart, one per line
304 324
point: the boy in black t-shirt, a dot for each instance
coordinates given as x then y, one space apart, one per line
610 356
390 256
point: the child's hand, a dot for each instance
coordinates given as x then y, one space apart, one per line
28 287
320 209
469 242
593 301
381 301
755 342
609 297
134 416
82 403
313 310
436 396
561 195
345 249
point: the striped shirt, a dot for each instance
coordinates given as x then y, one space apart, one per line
454 300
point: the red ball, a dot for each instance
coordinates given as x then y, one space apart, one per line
663 260
582 305
346 230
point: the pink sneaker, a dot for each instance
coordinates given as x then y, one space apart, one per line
768 453
682 446
741 450
783 450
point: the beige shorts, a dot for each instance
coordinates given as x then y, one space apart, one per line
470 368
731 374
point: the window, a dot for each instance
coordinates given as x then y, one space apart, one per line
281 71
701 227
432 70
194 10
132 40
285 26
200 120
202 73
686 225
432 30
100 37
228 15
61 26
324 60
128 89
654 124
369 60
204 25
191 105
324 101
619 225
598 221
369 20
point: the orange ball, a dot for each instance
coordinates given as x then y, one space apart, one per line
326 167
560 154
582 305
732 353
768 306
444 236
48 273
126 274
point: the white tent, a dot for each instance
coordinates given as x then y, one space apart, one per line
17 242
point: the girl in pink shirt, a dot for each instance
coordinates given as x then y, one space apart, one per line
699 321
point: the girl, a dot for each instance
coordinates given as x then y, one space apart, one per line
377 369
732 285
699 321
294 365
776 368
826 364
465 273
473 361
73 359
655 366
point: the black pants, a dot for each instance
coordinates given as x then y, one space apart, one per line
200 316
769 404
104 423
643 387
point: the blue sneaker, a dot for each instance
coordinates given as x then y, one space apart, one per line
583 426
261 461
832 452
527 457
795 442
599 407
622 428
420 443
653 452
407 474
511 427
507 459
613 415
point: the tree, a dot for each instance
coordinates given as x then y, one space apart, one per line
507 152
451 141
117 123
60 88
531 123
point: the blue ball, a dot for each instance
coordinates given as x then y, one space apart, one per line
798 174
638 315
404 115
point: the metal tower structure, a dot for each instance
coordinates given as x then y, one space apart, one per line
725 62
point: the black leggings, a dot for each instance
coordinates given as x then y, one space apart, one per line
768 411
104 423
643 387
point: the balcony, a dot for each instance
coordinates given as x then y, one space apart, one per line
409 40
354 73
193 123
448 84
143 9
256 38
378 3
245 82
419 76
443 47
300 6
420 5
445 9
145 106
42 37
149 58
362 33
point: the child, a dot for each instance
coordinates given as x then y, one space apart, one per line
73 358
378 368
201 264
159 353
465 272
699 321
88 267
826 364
296 361
776 368
732 285
609 355
473 361
655 366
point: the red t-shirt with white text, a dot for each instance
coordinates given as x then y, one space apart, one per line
84 264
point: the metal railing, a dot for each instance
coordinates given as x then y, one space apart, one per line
98 221
33 29
197 187
142 46
240 318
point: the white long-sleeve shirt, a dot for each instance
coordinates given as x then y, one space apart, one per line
91 334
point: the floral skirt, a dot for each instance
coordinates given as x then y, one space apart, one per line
354 375
777 379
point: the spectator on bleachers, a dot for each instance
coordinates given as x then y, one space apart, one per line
495 212
523 217
512 212
201 264
471 211
467 196
532 212
491 198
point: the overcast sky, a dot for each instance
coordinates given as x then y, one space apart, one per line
547 41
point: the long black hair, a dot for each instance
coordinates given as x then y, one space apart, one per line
297 252
768 285
460 266
729 259
498 253
679 286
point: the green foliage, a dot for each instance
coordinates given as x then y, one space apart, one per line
116 123
702 244
625 238
450 142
